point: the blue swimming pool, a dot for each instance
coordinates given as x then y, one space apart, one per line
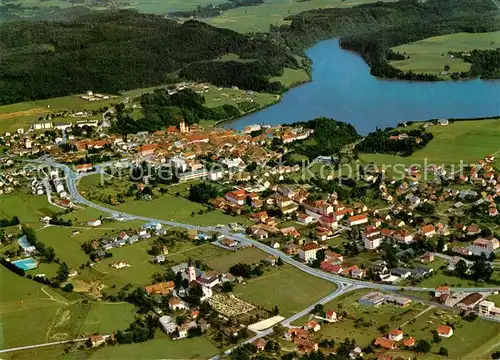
26 264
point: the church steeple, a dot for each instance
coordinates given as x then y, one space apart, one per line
191 271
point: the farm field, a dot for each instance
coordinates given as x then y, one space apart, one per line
286 287
468 141
272 12
431 55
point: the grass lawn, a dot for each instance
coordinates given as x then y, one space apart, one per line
494 298
272 12
248 256
206 253
440 278
431 55
104 318
468 141
161 347
292 77
287 287
385 314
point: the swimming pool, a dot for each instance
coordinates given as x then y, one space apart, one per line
26 264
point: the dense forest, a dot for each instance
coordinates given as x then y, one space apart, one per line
330 136
394 142
372 29
214 10
160 110
120 50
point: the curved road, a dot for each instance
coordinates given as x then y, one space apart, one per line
340 281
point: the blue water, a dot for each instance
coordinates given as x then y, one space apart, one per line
342 88
26 264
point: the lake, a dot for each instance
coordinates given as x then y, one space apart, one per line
342 88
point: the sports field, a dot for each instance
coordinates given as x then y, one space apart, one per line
431 55
466 141
286 287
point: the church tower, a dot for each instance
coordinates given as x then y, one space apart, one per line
191 272
183 127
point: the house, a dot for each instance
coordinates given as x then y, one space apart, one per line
332 256
488 308
312 325
410 342
488 244
120 264
260 344
401 273
442 290
308 252
373 298
428 230
83 168
403 236
470 301
332 268
331 316
163 288
428 257
304 218
290 231
357 220
229 242
385 343
237 197
396 335
96 340
94 222
159 259
176 304
444 331
168 324
275 244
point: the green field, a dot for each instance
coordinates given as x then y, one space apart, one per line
104 318
272 12
29 208
431 55
161 347
292 77
468 141
247 256
166 207
287 287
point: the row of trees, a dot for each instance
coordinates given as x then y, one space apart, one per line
379 142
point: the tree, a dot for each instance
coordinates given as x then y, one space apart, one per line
279 262
276 310
423 346
384 329
481 269
227 287
63 272
68 288
443 351
447 68
461 269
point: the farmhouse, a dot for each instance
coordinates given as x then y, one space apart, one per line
488 244
163 288
444 331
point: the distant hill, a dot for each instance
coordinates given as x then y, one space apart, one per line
121 50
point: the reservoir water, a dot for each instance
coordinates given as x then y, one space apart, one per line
342 88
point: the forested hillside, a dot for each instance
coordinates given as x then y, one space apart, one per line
372 29
113 51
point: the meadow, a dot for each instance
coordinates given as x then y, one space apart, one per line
286 287
431 55
28 208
